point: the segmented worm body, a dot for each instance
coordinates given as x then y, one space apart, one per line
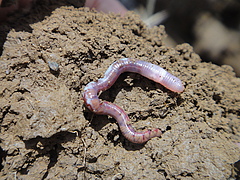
146 69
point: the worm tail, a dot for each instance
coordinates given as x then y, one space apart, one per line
139 137
126 129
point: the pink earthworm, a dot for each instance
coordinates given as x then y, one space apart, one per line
150 71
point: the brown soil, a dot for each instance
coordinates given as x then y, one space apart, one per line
47 132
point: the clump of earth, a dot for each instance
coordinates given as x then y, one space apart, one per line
47 132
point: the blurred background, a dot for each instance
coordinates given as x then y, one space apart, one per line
212 27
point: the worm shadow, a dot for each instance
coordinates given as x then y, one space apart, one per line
97 122
39 11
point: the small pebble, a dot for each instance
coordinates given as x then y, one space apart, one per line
53 66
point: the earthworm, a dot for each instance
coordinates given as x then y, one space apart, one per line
150 71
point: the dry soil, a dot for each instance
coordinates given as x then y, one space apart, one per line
47 132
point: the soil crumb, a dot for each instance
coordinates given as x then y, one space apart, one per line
47 133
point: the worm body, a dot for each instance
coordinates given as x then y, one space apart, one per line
144 68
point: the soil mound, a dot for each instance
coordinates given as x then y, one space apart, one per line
47 133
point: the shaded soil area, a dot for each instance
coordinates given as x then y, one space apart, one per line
47 133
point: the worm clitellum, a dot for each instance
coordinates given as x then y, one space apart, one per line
144 68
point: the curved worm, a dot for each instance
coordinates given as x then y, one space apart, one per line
146 69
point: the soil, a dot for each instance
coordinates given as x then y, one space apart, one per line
47 132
